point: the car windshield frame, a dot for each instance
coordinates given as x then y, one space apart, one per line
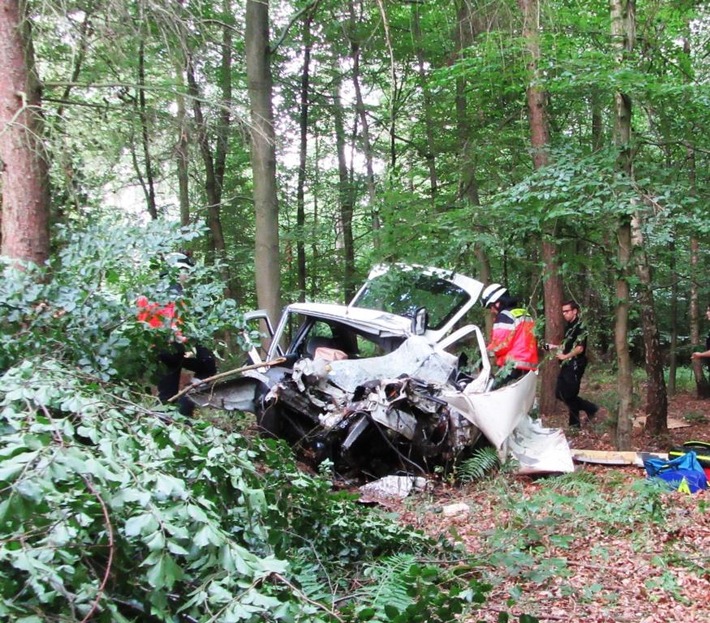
403 289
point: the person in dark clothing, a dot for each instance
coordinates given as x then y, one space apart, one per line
572 354
179 354
203 364
706 353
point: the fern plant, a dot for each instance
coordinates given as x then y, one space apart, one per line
481 463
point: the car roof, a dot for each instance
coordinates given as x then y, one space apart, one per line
366 320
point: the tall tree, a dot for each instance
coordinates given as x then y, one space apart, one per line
23 164
540 139
147 181
303 157
467 187
354 35
263 157
346 195
429 128
622 32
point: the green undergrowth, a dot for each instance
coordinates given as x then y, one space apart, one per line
111 510
115 509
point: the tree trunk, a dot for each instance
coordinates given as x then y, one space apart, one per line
302 161
70 185
430 153
182 150
540 138
673 347
364 123
263 158
345 198
702 386
621 340
468 183
225 110
701 382
148 183
23 167
622 23
656 395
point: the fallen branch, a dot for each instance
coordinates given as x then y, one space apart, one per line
222 375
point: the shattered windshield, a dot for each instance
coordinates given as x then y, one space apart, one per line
403 291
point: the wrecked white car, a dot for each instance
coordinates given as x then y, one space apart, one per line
396 381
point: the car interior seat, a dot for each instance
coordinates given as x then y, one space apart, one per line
319 342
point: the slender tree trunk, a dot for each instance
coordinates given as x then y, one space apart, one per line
225 111
303 159
72 186
624 31
673 356
364 123
148 182
212 187
182 150
427 101
345 197
263 157
702 386
393 87
23 166
315 256
622 20
656 394
540 139
701 382
468 182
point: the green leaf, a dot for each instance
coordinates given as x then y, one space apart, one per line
144 523
13 467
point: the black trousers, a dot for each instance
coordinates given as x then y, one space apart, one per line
567 390
173 360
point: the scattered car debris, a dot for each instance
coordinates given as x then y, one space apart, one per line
615 457
452 510
391 488
398 381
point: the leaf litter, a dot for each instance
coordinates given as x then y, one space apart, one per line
561 561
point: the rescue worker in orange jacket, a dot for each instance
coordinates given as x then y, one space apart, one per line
513 342
174 356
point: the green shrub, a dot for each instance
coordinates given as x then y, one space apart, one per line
81 308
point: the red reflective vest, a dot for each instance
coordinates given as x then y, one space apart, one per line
513 340
156 315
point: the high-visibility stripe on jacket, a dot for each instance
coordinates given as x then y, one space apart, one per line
513 340
157 315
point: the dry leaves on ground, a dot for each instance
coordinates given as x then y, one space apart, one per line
562 551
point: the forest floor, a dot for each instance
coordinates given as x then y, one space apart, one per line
588 555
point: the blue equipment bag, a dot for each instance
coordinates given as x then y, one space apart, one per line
682 473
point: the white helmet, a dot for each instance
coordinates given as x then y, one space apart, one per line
180 260
492 293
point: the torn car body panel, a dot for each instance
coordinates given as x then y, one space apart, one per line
380 385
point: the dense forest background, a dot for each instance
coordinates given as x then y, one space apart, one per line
557 146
